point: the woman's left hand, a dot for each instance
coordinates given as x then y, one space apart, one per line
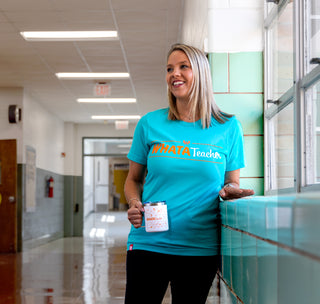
232 191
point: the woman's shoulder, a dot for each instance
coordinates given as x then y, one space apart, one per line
233 120
159 114
230 121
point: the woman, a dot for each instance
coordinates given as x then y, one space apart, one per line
192 153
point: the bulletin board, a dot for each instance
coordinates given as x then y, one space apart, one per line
30 179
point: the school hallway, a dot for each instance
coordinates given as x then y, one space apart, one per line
75 78
74 270
88 269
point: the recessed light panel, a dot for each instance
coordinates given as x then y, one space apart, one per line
107 100
92 75
70 36
117 117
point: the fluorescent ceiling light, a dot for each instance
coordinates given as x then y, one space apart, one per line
92 75
70 36
117 117
124 146
107 100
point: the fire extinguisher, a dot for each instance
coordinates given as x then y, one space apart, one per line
50 186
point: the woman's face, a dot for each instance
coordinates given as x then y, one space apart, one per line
179 75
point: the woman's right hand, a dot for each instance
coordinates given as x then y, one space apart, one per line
135 213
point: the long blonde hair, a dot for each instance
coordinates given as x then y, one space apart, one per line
201 94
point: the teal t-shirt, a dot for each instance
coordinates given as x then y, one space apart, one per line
186 165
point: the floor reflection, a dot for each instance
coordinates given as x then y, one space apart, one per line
82 270
88 270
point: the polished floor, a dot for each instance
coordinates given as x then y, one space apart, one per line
88 270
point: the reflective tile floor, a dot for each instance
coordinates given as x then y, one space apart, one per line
88 270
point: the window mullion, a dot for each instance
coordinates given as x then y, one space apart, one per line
275 12
299 143
281 103
311 78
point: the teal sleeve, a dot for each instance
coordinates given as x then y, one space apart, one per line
139 149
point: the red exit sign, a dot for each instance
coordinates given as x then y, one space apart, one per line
102 89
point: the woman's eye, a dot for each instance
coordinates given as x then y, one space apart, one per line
184 66
169 70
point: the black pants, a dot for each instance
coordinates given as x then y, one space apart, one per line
149 273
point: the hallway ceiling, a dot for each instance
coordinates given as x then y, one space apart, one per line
146 29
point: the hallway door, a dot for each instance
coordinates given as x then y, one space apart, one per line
8 196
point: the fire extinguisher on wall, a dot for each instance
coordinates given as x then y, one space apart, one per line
50 186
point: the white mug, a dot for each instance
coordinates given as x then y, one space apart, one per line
156 216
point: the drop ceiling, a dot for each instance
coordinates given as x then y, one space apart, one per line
146 29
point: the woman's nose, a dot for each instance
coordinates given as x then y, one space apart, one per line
176 72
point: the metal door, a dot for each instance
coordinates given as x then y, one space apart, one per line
8 196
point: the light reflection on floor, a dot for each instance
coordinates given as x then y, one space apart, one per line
88 270
79 270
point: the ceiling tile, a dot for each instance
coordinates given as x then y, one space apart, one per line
25 5
147 28
72 5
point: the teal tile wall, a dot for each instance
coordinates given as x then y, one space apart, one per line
249 269
279 219
298 279
219 71
238 87
236 263
256 183
223 212
242 212
237 72
230 213
253 148
257 219
226 254
267 256
246 72
285 222
248 108
306 234
271 248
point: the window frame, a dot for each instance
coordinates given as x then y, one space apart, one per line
302 81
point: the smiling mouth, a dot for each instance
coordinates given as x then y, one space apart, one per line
177 83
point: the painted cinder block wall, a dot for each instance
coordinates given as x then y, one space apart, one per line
238 89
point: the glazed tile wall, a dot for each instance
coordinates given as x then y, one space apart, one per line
45 223
238 88
52 218
271 249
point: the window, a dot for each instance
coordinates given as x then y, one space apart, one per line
312 17
282 149
281 41
313 134
292 95
312 91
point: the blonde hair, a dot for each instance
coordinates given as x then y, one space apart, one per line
201 94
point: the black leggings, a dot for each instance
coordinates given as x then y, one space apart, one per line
149 273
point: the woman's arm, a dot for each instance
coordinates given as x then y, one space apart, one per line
231 188
133 191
